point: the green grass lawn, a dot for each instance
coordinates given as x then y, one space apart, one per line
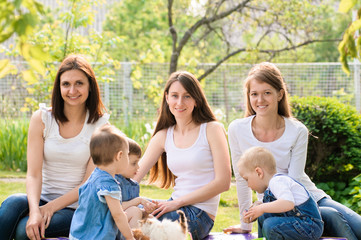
227 215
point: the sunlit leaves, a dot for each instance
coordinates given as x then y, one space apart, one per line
56 34
346 5
5 67
350 46
20 18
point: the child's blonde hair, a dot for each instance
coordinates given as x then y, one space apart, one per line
105 143
257 157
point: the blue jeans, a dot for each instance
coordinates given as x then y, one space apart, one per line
340 221
14 216
199 223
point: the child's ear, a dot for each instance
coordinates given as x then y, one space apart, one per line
259 172
119 155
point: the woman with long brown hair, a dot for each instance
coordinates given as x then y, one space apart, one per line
189 151
57 156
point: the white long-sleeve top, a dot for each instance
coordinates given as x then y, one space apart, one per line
290 152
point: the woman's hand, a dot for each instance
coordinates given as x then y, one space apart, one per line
166 206
235 229
47 213
33 225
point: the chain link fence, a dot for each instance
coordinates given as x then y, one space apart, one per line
134 93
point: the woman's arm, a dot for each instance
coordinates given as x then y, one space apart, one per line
35 150
67 199
222 173
154 150
244 193
297 164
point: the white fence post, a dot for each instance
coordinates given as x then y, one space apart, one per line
357 84
127 93
356 69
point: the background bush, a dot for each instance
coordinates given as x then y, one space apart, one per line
335 138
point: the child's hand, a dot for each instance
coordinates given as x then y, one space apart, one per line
252 214
247 220
256 203
149 206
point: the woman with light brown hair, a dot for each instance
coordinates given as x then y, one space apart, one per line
189 151
268 123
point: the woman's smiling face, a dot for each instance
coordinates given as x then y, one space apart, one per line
180 102
74 87
263 97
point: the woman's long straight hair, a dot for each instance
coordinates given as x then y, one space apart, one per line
202 113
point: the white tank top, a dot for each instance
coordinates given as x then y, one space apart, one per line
65 159
193 167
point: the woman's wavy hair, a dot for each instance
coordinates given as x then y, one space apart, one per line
202 113
266 72
94 103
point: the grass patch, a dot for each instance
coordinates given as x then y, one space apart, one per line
12 174
227 215
8 188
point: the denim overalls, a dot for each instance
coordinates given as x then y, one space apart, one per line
130 190
129 187
302 222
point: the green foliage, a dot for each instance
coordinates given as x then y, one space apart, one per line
335 138
354 202
330 26
350 46
20 18
140 131
59 41
139 25
260 30
349 196
13 142
336 190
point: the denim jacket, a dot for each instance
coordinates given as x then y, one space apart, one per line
93 219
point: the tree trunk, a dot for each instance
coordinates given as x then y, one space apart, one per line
173 63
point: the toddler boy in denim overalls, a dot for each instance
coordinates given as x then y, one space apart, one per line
288 210
130 188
